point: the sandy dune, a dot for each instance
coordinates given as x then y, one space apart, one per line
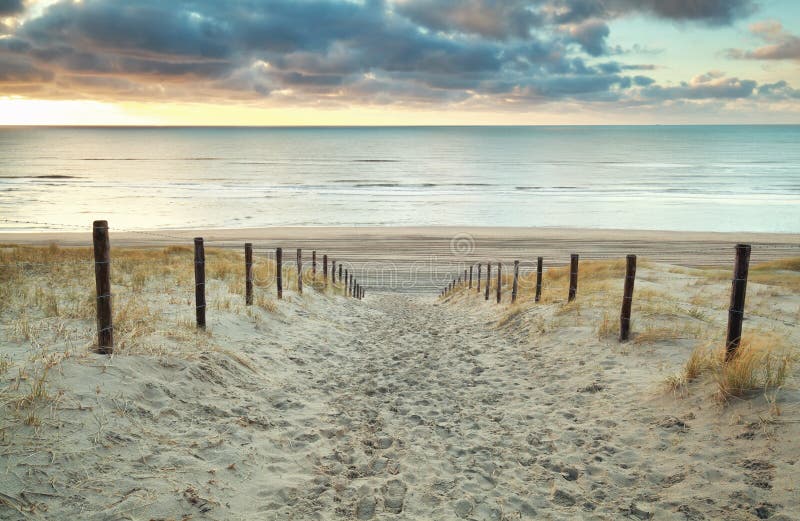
405 407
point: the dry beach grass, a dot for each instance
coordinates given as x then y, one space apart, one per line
395 407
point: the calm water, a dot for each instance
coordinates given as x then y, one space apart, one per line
676 178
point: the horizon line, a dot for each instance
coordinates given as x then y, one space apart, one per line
166 126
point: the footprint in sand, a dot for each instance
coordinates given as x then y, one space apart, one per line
394 493
365 508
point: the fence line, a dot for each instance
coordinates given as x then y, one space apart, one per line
736 312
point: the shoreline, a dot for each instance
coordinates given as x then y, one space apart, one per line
158 236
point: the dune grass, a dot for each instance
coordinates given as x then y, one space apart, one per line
762 363
47 308
671 305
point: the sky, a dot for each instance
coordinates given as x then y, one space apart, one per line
399 62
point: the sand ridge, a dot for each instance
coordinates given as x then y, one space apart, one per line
396 407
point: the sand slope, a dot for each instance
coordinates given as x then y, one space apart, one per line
398 407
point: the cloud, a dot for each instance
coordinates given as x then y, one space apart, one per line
10 7
591 35
779 90
712 12
497 19
343 52
782 45
712 85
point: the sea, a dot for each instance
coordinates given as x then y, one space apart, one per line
684 178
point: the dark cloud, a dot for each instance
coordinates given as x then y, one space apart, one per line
499 19
591 36
9 7
713 85
713 12
779 90
782 45
14 70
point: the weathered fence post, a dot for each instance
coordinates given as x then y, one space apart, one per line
573 277
627 299
488 279
499 281
346 280
325 268
299 271
470 277
514 286
102 277
479 278
738 290
248 274
314 264
279 271
200 282
539 262
340 273
333 271
465 277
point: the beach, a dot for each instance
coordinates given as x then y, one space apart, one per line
401 405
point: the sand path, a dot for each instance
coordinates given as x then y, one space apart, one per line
398 407
436 414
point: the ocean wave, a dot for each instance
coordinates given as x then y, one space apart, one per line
48 176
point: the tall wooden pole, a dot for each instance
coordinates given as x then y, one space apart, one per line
300 271
539 262
102 277
314 264
200 282
514 286
488 279
738 291
279 271
248 274
499 281
627 299
573 277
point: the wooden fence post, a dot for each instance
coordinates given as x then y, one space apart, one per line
325 268
248 274
102 277
333 271
465 277
627 298
279 271
479 278
573 277
314 264
299 271
470 277
346 279
200 282
340 273
738 291
514 286
488 279
539 262
499 281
